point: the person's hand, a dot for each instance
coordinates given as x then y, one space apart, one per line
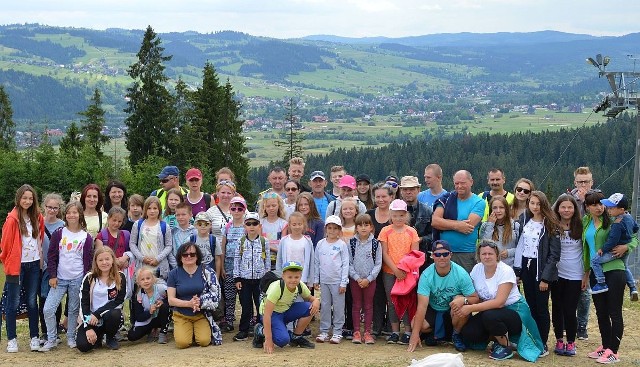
223 274
316 286
315 307
92 337
363 283
543 286
93 321
599 252
268 346
195 303
53 282
585 281
456 303
147 260
400 274
463 311
492 217
342 290
154 262
153 308
414 341
620 250
504 254
238 285
465 227
582 191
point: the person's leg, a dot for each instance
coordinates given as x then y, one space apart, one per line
12 289
367 303
557 308
474 331
42 299
82 343
357 303
298 311
161 321
631 281
501 322
279 332
111 322
569 303
255 294
616 280
230 292
379 305
543 320
182 330
596 265
31 285
584 308
54 299
139 332
338 309
389 281
348 306
325 308
202 330
527 276
73 297
246 304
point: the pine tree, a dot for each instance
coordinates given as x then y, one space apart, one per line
7 127
194 149
291 137
93 123
233 140
208 115
71 143
151 124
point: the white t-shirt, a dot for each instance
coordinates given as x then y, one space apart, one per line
487 289
101 293
295 248
289 208
30 250
531 237
570 264
70 251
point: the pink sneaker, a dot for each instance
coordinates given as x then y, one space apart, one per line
608 357
596 353
357 338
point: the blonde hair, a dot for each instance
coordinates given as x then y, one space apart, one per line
142 270
151 200
56 197
301 217
114 274
297 160
282 213
349 200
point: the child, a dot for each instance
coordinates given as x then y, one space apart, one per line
150 307
297 247
150 244
69 258
621 231
101 297
315 225
211 253
182 232
398 239
272 213
501 229
21 244
364 267
348 213
251 262
278 308
231 234
134 211
174 197
114 237
331 271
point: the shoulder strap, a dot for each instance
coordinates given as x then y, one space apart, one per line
223 215
99 219
207 200
104 233
281 288
212 245
352 244
485 195
193 238
46 231
163 229
139 226
374 248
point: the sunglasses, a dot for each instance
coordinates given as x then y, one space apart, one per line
189 254
251 224
522 189
392 184
226 183
488 244
291 189
201 223
237 209
441 254
166 179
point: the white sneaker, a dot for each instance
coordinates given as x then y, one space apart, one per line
48 345
336 339
322 337
12 346
35 344
71 344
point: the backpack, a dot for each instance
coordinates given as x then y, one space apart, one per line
163 228
263 253
374 248
212 244
270 277
104 233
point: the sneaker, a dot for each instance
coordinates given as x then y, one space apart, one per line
322 337
307 332
599 288
302 342
336 339
394 338
596 353
430 340
633 294
608 357
456 338
545 352
258 338
226 327
347 334
357 338
582 334
162 338
48 345
241 336
404 339
368 338
560 347
112 343
500 352
570 349
35 344
72 344
43 339
12 346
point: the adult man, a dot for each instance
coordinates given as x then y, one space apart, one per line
433 180
443 288
456 218
321 198
296 171
169 179
347 186
583 181
420 213
496 181
336 174
277 178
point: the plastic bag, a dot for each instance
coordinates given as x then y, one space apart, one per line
439 360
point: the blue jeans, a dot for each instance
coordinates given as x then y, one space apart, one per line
30 281
72 289
598 260
279 321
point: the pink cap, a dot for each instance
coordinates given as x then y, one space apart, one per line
399 205
348 181
193 173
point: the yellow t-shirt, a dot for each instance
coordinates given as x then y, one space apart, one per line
287 299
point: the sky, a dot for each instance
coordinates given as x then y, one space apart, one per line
348 18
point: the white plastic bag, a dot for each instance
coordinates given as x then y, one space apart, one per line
439 360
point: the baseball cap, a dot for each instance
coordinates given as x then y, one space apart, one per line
409 181
616 200
291 265
316 174
348 181
238 200
440 245
363 177
391 178
251 216
168 171
333 219
193 173
398 205
202 217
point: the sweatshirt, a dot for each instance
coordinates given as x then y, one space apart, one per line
361 265
252 260
331 263
11 243
620 232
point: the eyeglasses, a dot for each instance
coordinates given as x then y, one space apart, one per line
441 254
52 208
522 189
392 184
237 209
291 189
251 224
585 182
189 254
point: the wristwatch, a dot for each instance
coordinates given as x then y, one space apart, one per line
466 301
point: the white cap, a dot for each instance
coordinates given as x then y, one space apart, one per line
333 219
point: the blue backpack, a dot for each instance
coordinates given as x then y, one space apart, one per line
163 228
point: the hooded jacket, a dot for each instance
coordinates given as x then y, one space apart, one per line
11 243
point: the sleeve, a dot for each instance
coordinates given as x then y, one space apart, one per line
330 209
119 300
377 266
127 239
53 254
613 238
424 285
85 297
479 207
133 241
506 275
99 237
515 236
344 254
361 207
467 284
384 234
167 245
267 253
486 230
319 231
316 263
139 313
550 271
306 293
273 292
308 257
414 235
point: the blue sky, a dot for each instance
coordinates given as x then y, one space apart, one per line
349 18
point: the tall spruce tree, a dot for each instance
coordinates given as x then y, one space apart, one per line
7 127
93 123
71 143
191 138
207 102
290 138
233 140
151 124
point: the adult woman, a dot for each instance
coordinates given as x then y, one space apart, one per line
502 314
522 191
198 200
101 297
565 293
219 213
223 174
609 304
115 195
315 225
193 292
363 188
21 244
501 228
291 190
92 200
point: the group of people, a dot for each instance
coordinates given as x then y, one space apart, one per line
364 257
